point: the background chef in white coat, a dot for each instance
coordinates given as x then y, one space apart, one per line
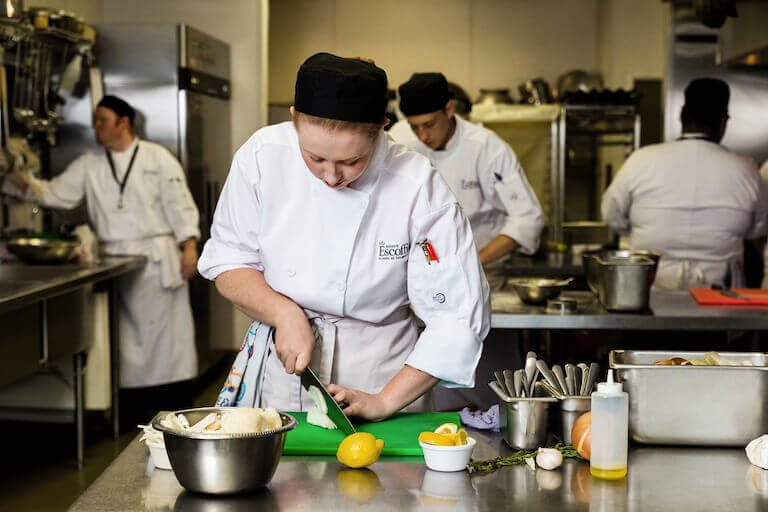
692 200
325 220
480 168
490 184
138 203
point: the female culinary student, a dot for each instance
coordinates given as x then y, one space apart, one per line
326 221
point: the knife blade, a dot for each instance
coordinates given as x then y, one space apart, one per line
308 378
724 290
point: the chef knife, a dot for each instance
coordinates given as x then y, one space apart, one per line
308 378
724 290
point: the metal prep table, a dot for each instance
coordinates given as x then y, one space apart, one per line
25 286
659 479
675 310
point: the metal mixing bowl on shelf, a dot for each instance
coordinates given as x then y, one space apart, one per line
214 463
537 290
40 250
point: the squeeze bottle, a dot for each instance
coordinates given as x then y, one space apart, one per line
610 427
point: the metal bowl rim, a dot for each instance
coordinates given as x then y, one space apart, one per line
41 242
214 436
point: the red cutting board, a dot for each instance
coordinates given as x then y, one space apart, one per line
710 297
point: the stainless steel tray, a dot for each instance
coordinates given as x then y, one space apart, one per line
694 405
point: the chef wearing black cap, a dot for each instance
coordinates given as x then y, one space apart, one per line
325 223
138 203
692 200
481 169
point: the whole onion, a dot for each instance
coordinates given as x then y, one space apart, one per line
581 435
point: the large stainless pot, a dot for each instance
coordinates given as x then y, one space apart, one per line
592 267
494 96
535 92
624 284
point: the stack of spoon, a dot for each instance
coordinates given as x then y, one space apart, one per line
576 380
518 383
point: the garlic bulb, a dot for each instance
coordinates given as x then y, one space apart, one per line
549 458
757 451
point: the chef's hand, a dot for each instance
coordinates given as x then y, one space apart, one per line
19 179
360 404
189 259
294 340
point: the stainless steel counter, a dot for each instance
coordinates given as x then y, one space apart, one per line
668 311
27 292
21 284
659 479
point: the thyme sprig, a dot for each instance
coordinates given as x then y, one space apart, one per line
487 466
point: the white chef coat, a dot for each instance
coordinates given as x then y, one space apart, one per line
156 326
352 257
486 177
694 202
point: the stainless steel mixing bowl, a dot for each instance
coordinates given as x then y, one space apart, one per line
42 250
537 291
223 463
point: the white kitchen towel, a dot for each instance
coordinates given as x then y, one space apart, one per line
488 420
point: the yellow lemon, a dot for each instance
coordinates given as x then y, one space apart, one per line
461 437
359 484
359 450
438 439
447 428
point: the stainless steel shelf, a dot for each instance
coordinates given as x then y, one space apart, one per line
668 311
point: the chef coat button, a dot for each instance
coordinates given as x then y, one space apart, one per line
291 272
340 286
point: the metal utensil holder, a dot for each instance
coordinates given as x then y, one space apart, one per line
571 409
524 421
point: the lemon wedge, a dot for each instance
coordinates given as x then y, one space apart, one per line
447 428
461 437
438 439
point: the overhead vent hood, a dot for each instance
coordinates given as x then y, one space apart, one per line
744 39
739 28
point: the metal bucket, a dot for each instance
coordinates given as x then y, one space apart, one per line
624 284
589 260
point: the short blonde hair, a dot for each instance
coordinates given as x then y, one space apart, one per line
371 130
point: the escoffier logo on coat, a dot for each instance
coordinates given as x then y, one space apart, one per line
388 252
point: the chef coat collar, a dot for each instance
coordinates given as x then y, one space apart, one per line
453 142
695 136
129 149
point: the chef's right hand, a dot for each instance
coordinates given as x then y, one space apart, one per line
18 178
294 340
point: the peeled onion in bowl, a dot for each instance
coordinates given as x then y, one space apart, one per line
581 435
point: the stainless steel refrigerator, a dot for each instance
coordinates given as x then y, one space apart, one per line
178 80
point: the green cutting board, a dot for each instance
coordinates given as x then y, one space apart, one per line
400 433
